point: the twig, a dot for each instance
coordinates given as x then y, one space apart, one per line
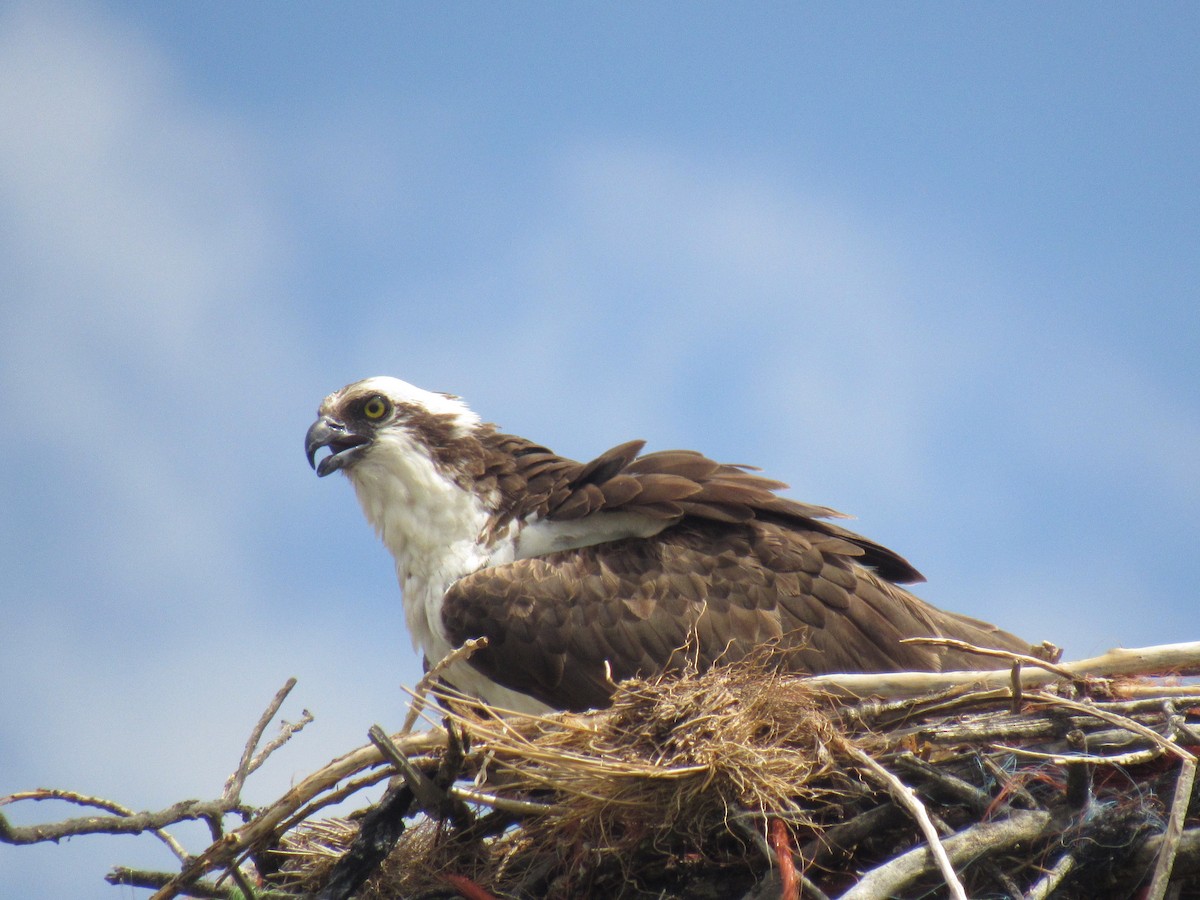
1133 758
1170 844
243 883
810 888
1180 659
249 762
1044 889
83 800
429 679
1009 786
123 822
907 798
1017 658
837 841
350 788
1079 778
952 785
1187 856
431 798
141 878
507 804
263 827
890 878
1166 744
123 876
936 727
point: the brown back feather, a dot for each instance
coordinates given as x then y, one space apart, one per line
737 568
668 484
702 591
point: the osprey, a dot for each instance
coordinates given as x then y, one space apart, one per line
583 574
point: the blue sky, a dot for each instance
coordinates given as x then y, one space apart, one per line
934 265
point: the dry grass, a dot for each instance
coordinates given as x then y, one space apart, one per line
682 787
687 769
675 758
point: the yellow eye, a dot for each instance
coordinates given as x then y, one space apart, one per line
375 407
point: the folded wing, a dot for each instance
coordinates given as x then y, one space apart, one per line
563 627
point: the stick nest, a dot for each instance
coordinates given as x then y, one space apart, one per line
743 782
1033 781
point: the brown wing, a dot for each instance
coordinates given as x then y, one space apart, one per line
671 485
559 625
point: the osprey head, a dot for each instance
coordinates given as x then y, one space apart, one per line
361 416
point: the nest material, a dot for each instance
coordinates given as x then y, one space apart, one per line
743 782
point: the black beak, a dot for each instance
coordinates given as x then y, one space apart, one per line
344 445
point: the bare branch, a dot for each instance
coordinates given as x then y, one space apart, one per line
266 823
82 800
349 789
1023 659
508 804
907 798
1090 709
429 679
1046 886
249 762
142 878
964 748
1171 837
988 837
125 822
1179 659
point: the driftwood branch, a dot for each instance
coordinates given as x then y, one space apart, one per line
989 837
908 799
1178 659
1172 836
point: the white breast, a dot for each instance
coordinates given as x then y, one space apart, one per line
430 524
433 528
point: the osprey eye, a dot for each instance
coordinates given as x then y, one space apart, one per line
375 408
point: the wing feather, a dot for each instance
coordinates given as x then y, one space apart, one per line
668 486
703 590
620 491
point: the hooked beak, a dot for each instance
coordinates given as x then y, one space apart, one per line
344 445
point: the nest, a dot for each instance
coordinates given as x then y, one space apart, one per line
741 782
1033 781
